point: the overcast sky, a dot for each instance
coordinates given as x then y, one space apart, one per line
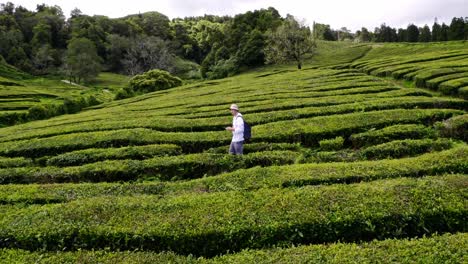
352 14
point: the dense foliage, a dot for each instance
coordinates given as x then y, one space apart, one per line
154 80
192 47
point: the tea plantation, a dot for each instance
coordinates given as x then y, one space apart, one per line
24 97
361 156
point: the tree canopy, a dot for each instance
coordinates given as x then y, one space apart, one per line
290 41
36 41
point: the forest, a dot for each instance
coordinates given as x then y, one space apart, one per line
45 42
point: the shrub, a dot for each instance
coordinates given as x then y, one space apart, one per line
215 223
402 148
73 105
81 157
332 144
125 92
162 168
463 92
395 132
187 69
455 127
37 112
154 80
446 248
222 69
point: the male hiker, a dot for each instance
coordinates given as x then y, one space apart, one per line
237 143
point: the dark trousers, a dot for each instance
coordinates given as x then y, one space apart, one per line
236 148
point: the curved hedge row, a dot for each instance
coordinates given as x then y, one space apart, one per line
306 131
171 124
451 87
161 168
452 161
435 83
81 157
429 67
15 162
395 132
66 124
421 78
449 161
455 127
447 248
217 223
310 131
407 147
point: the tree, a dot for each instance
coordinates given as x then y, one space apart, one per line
425 35
43 58
250 53
82 61
466 28
457 29
402 35
444 32
87 27
147 53
291 41
436 32
385 34
364 35
324 32
153 24
42 35
413 33
115 51
18 57
344 34
76 13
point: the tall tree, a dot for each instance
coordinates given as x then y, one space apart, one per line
402 35
457 29
364 35
385 34
147 53
344 34
291 41
436 32
413 33
153 24
82 61
116 50
43 58
324 32
425 34
444 31
466 28
87 27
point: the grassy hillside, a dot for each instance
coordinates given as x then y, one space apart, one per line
24 98
344 166
437 66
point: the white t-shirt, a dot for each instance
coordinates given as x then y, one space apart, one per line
238 125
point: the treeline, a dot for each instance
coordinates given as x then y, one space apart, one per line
457 30
45 42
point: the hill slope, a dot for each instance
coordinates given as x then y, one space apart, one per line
24 98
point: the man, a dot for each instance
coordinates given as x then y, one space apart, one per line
237 143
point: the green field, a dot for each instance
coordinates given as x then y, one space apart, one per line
24 98
347 164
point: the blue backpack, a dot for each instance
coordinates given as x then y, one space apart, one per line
247 131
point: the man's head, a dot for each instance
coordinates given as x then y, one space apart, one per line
234 109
